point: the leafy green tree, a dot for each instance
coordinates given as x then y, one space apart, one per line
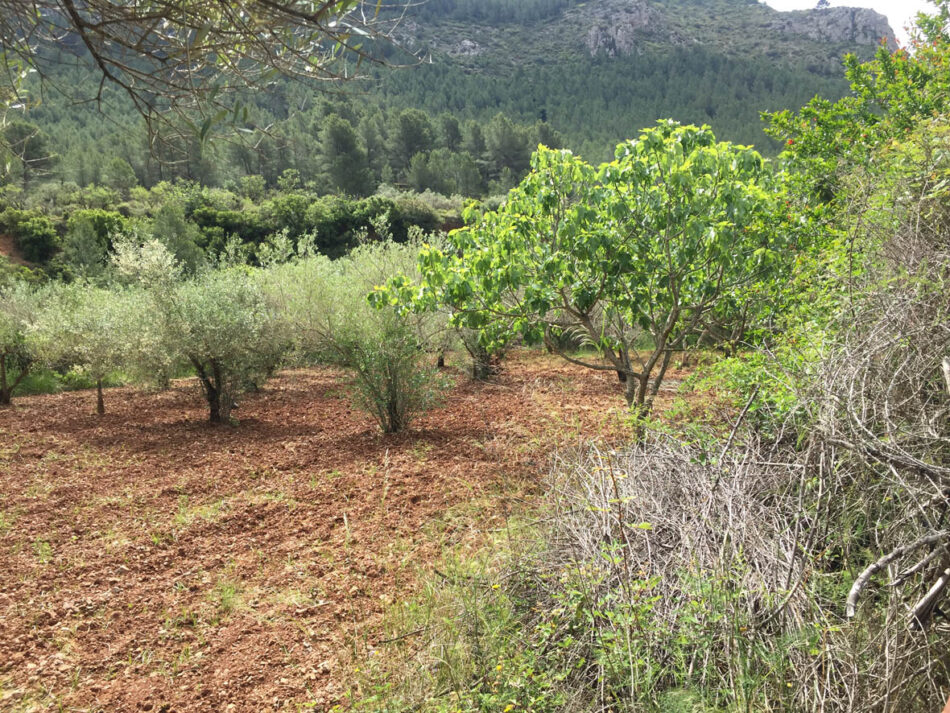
84 254
450 132
542 133
325 311
35 234
344 160
473 140
120 176
253 187
425 173
507 145
222 325
890 95
180 235
638 251
85 247
218 322
411 133
372 130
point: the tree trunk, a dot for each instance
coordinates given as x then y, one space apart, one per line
655 389
484 364
214 404
100 402
218 411
6 388
5 393
219 398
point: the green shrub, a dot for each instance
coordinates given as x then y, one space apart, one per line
34 233
393 381
326 313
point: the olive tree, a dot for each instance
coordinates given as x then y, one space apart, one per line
147 266
89 329
326 313
221 323
19 303
644 250
218 322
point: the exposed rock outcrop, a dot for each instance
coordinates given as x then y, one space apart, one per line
836 25
616 33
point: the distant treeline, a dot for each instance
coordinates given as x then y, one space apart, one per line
440 127
69 232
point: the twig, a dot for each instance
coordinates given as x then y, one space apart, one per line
735 430
861 582
922 612
403 636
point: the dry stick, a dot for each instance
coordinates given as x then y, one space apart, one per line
923 611
403 636
861 582
910 571
735 430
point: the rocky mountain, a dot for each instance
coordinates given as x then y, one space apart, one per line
635 27
604 68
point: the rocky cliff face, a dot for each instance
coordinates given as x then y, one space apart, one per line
836 25
616 30
620 27
815 39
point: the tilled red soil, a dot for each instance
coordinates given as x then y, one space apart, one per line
153 562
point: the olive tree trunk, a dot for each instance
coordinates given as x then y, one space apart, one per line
211 377
6 386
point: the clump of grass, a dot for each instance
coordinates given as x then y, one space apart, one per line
226 598
43 551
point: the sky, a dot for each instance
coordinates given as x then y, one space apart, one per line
899 12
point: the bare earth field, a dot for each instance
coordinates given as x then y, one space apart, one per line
153 562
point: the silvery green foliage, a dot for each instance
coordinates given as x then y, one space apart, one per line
221 323
90 329
280 248
148 267
19 304
327 317
218 322
84 327
144 261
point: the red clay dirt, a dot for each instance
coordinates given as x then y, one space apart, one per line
154 562
9 250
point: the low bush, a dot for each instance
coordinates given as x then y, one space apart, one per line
34 233
326 313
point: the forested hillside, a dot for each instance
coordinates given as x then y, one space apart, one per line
494 79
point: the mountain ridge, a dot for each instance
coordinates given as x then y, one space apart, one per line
624 27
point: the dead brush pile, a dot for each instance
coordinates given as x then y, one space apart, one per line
807 573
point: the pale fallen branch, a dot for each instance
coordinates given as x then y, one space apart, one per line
922 612
861 582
